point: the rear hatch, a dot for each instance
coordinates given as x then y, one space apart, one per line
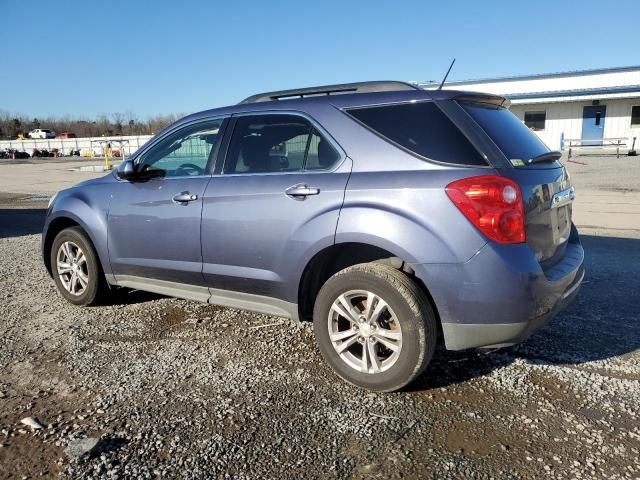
546 189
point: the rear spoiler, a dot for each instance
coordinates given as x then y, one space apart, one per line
485 98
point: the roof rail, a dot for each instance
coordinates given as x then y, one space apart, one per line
359 87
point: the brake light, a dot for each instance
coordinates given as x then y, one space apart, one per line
492 204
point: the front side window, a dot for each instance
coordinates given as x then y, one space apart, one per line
535 120
186 152
423 129
635 116
276 143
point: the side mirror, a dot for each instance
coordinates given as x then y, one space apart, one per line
126 170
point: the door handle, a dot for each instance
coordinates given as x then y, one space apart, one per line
184 197
301 191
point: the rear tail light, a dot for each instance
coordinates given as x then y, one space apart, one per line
493 204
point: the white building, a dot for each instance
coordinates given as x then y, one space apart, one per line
591 107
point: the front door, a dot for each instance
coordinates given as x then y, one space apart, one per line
279 194
593 125
154 225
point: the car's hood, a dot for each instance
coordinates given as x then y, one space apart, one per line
108 178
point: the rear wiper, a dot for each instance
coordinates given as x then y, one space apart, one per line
546 157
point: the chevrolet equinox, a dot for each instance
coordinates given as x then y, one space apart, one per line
388 215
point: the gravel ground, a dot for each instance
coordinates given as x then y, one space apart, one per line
152 387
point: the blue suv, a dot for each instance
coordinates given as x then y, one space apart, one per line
388 215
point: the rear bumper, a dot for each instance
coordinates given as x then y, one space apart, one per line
501 295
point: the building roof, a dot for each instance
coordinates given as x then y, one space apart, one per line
536 76
577 93
579 85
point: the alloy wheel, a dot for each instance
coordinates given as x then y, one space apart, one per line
72 268
364 331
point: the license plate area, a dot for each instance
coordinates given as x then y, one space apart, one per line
563 224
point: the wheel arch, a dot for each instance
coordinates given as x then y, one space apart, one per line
339 256
53 229
59 223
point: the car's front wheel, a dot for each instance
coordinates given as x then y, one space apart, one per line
374 326
75 267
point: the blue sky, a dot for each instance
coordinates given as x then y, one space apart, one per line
86 57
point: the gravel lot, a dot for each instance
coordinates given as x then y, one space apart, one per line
176 389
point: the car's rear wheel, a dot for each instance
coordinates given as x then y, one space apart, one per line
75 267
374 326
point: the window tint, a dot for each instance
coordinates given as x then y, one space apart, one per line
184 153
635 116
421 128
535 120
276 143
510 135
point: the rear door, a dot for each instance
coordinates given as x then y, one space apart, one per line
546 188
279 193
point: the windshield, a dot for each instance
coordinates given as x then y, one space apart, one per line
511 136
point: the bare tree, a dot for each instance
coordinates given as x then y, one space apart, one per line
103 125
117 118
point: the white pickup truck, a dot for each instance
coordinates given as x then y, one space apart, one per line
41 133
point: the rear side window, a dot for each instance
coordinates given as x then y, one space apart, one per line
277 143
320 154
422 129
511 136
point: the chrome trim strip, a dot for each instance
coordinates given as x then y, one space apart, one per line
574 287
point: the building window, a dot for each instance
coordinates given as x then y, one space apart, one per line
635 116
535 120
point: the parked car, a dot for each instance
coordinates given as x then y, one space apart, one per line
41 133
387 215
64 135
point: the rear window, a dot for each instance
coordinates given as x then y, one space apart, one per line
511 136
422 129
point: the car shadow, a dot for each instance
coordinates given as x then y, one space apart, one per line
16 222
127 296
600 324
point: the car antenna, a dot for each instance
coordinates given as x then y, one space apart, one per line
446 74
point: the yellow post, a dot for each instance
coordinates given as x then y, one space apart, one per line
107 152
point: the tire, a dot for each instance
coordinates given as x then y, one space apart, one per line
77 242
401 337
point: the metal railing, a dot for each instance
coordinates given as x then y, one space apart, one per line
584 145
